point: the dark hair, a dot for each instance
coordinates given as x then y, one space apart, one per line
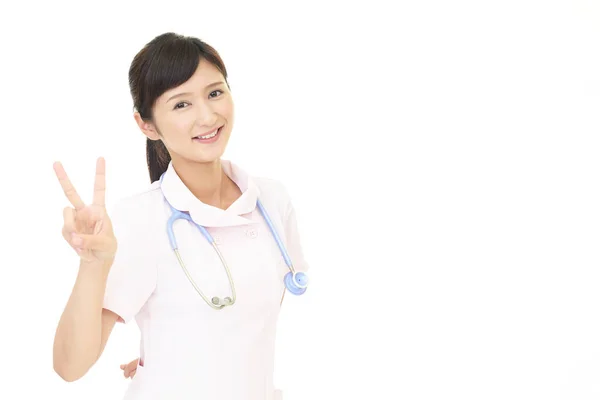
164 63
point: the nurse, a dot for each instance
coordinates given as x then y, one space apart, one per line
207 313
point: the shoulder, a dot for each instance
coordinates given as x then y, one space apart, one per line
136 207
273 191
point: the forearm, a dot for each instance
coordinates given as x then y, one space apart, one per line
79 334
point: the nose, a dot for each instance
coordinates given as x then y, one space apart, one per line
206 116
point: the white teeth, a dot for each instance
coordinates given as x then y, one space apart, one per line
211 135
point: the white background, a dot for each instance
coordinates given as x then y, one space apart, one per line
443 158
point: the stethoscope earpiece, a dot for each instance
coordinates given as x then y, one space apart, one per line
227 301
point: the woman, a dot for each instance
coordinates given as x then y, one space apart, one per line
208 313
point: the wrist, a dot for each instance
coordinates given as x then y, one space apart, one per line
96 268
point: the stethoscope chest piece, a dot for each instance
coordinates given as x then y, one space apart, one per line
296 282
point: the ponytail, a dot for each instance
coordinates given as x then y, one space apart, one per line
158 158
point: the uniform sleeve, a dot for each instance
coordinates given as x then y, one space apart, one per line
293 242
132 277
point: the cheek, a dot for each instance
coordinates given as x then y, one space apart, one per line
177 128
184 124
226 109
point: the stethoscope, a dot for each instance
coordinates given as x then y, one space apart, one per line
295 282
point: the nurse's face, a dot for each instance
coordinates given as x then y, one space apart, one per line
194 120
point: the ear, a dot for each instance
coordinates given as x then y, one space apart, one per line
146 127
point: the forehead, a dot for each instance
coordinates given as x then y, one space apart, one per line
205 74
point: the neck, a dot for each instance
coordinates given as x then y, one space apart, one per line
206 181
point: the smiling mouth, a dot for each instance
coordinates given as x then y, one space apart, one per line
209 137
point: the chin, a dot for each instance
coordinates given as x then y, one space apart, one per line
208 156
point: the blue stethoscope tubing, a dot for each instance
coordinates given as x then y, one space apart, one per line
295 282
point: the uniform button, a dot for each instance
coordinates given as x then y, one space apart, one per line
251 233
217 240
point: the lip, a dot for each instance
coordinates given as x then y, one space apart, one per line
208 132
212 139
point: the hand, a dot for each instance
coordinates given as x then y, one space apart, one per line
87 228
130 369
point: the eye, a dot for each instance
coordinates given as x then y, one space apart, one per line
180 105
215 93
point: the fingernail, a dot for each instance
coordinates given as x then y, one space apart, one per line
98 227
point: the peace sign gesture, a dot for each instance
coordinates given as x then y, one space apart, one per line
87 228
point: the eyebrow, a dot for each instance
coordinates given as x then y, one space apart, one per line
189 93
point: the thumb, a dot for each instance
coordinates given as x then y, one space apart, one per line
92 242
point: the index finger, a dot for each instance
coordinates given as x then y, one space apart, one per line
67 186
100 182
